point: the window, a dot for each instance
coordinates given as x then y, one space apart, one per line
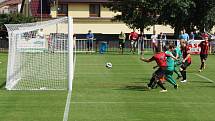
62 9
94 10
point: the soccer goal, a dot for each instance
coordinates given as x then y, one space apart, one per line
41 55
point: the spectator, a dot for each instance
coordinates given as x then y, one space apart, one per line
142 38
154 38
181 35
133 37
122 38
40 34
192 36
162 38
204 35
184 36
90 37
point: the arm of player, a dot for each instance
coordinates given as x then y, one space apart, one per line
170 55
147 60
188 55
177 56
173 57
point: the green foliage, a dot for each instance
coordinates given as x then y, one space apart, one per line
176 13
136 13
14 19
179 14
189 14
204 14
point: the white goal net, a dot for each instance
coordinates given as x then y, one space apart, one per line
41 55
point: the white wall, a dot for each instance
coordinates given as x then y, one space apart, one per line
115 28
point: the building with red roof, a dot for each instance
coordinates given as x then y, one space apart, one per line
10 6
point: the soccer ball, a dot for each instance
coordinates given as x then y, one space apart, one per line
109 65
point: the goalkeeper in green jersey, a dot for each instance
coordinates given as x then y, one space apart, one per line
177 53
170 67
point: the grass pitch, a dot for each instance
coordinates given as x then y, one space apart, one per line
117 94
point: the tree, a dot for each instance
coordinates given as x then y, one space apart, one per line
176 13
179 14
188 15
12 19
138 14
204 16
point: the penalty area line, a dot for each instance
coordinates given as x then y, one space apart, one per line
67 107
203 77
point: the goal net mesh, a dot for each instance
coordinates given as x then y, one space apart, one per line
38 55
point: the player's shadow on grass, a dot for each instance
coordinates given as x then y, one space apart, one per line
2 85
135 88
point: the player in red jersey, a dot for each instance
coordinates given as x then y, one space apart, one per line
133 37
160 58
186 60
204 45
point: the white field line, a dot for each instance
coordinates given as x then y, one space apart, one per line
67 107
115 64
203 77
114 73
103 102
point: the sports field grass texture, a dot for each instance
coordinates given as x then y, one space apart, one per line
117 94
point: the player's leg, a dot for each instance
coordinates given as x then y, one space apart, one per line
178 74
135 45
202 62
120 46
132 42
153 47
142 47
183 71
169 78
91 45
206 56
88 45
154 78
160 84
176 70
160 80
123 46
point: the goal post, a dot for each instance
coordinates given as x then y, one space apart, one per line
71 51
41 55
